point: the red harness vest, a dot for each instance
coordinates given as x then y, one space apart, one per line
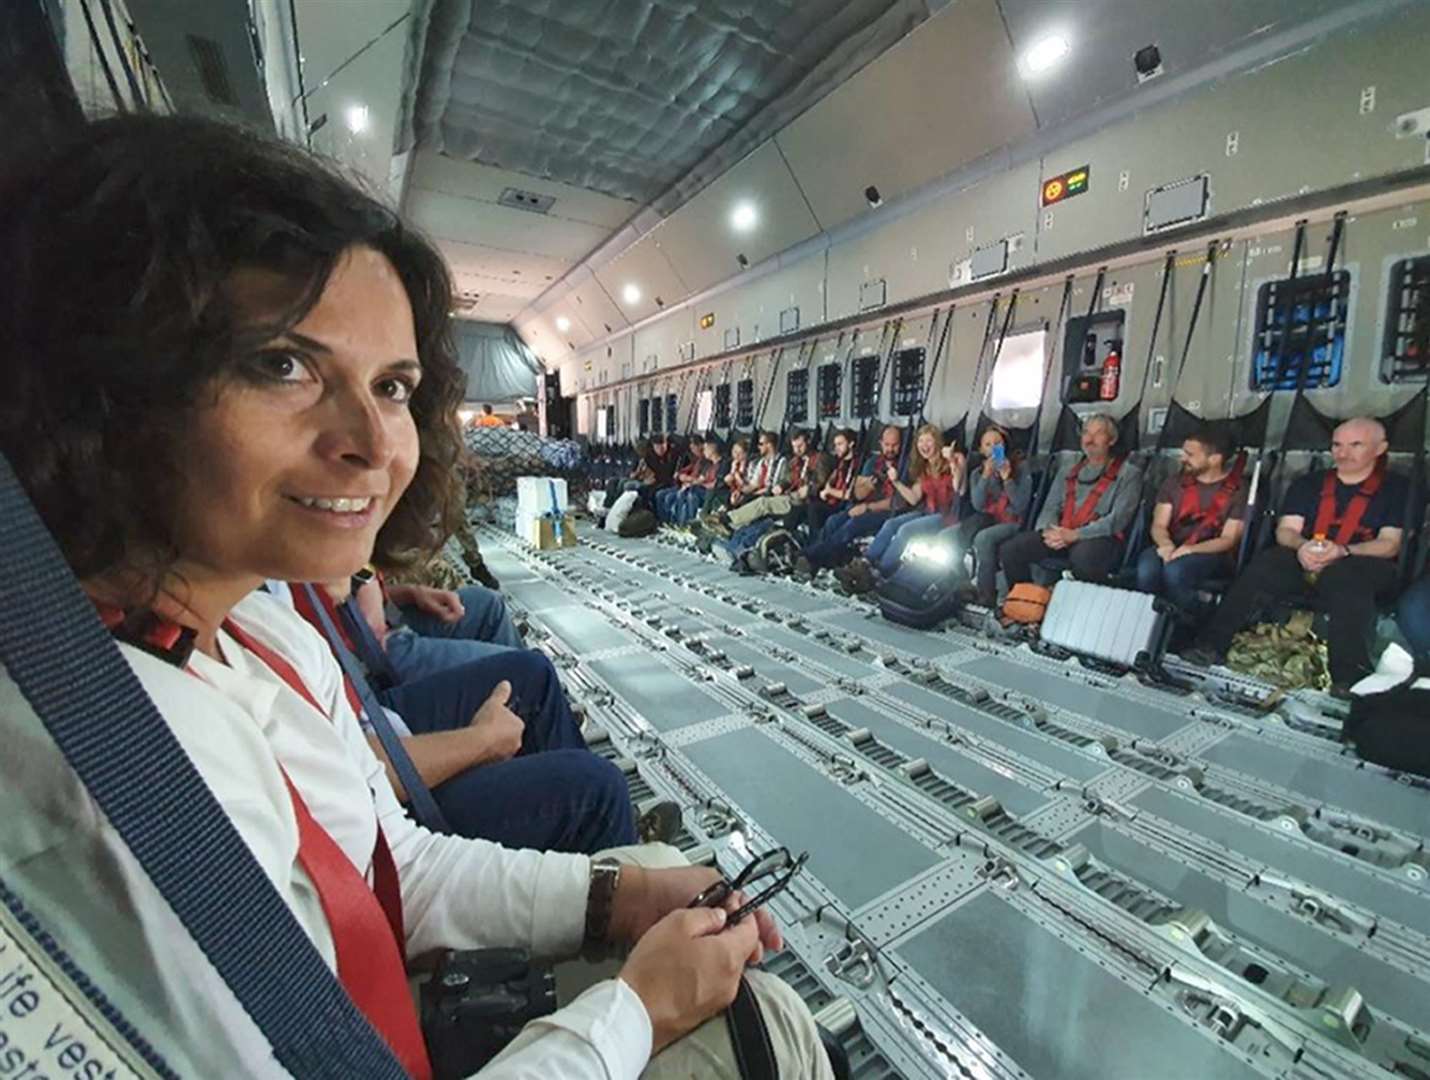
1347 527
1075 516
840 479
1209 522
1001 509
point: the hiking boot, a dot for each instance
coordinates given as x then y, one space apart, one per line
660 824
704 543
803 570
858 577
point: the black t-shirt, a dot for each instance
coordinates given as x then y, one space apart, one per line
1386 509
663 465
1181 528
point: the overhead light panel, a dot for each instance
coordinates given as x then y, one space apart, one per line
1045 55
631 294
563 323
357 119
744 217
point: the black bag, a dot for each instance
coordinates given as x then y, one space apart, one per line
923 601
475 1004
638 522
1390 728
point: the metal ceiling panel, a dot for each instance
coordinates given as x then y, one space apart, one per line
525 273
944 96
700 240
473 180
644 266
166 27
1104 35
473 221
595 308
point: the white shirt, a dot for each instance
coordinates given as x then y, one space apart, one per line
237 723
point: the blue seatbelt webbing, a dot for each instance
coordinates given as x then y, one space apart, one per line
418 793
555 513
71 672
369 649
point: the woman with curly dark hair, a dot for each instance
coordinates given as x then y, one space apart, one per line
227 364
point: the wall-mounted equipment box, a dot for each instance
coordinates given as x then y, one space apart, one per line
722 405
908 393
1092 357
1300 332
865 398
732 337
1406 355
1177 204
797 396
745 403
831 383
988 261
873 294
789 320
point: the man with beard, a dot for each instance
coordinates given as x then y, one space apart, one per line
1197 521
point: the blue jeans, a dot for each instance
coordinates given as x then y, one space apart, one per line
841 530
688 503
554 795
1179 580
665 501
885 553
426 645
1413 615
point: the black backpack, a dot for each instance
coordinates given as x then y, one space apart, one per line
1390 729
639 522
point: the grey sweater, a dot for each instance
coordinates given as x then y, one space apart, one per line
1115 509
987 489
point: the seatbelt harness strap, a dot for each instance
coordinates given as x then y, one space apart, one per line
1075 516
69 669
1209 522
754 1052
1347 526
424 805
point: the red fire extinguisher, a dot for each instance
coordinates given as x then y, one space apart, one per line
1111 372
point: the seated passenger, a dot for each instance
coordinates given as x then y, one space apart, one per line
1089 508
1197 521
785 494
1337 542
1002 493
766 473
659 472
669 498
730 490
686 505
260 338
866 516
832 493
489 418
935 476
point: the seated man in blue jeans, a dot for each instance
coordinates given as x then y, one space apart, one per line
495 740
865 517
1197 521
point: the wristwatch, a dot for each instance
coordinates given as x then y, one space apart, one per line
362 577
600 901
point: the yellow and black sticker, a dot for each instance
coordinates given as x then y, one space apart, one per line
1073 182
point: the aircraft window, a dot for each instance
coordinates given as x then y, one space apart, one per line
1018 372
602 412
672 409
657 416
705 410
797 396
866 386
830 380
909 381
644 410
722 405
1407 324
745 403
1300 332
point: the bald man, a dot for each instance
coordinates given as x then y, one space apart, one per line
1337 542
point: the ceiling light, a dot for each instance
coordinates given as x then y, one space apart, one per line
563 323
357 119
631 294
744 217
1045 54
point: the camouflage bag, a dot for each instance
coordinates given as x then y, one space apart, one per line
1289 656
437 573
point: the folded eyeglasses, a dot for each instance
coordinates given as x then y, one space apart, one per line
773 871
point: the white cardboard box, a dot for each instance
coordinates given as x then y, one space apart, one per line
540 532
533 495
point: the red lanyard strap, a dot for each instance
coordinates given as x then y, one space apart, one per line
366 923
1209 522
1347 526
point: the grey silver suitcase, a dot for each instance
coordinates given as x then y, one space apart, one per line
1117 626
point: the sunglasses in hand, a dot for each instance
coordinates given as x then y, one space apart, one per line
771 872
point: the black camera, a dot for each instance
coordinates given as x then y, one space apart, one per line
476 1002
